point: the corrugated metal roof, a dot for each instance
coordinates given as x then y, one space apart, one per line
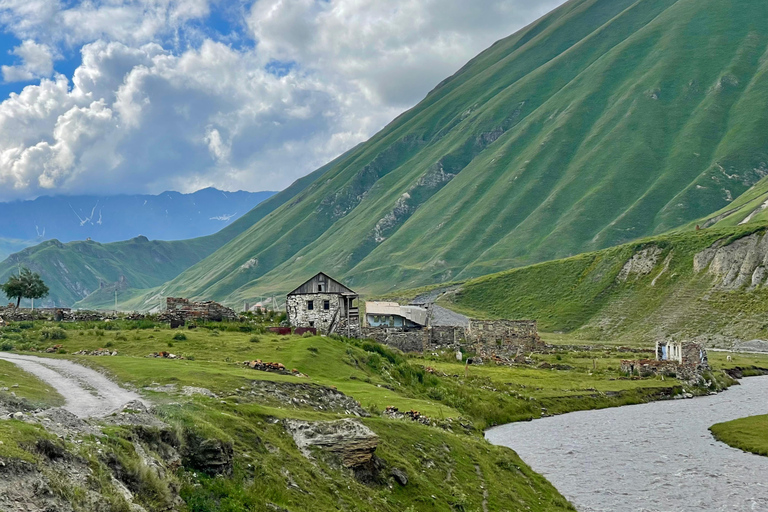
415 314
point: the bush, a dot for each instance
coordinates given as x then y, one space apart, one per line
170 344
99 332
6 346
26 325
53 333
314 350
180 336
255 339
108 344
307 335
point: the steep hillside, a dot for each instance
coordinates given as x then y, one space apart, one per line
75 270
167 216
710 285
601 123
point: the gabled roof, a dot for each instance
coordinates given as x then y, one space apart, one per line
331 286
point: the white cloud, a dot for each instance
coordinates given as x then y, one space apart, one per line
142 114
36 62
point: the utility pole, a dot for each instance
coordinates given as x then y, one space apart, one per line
115 299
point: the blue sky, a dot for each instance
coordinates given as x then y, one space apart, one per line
148 95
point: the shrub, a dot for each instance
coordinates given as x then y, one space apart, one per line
314 350
180 336
53 333
99 332
245 328
6 346
255 339
170 344
307 335
26 325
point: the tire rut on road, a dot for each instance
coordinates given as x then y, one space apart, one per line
87 392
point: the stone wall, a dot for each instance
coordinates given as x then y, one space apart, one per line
321 319
483 337
407 341
184 310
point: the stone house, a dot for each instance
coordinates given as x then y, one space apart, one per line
325 304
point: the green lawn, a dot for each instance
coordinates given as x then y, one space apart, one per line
748 434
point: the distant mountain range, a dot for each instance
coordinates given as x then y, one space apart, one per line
166 216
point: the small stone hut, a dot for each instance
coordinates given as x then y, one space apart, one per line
325 304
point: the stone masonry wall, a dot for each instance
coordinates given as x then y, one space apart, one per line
483 337
185 310
300 316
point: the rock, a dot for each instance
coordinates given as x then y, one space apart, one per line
18 415
399 475
459 356
641 263
349 439
211 456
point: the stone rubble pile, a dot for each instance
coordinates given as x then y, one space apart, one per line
280 368
165 355
97 352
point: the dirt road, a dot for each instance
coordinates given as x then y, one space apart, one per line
87 392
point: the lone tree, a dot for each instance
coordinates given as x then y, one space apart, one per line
26 285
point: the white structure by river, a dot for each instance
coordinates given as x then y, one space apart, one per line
657 457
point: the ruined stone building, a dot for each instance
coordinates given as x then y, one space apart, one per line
325 304
179 311
422 329
683 353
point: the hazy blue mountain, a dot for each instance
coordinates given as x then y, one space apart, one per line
166 216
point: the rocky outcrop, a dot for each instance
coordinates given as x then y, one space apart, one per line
742 262
211 456
348 439
641 263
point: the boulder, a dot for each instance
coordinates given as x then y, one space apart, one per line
399 475
349 439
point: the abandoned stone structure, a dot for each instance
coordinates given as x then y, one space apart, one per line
684 353
685 361
178 311
446 330
325 304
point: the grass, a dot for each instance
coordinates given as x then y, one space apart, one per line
442 465
25 385
747 434
447 470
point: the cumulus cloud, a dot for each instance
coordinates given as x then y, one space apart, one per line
155 105
36 62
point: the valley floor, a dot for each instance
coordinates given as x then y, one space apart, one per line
207 395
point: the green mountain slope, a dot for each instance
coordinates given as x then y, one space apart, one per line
87 273
603 122
708 285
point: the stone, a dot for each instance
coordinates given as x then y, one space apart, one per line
18 415
211 456
399 475
349 439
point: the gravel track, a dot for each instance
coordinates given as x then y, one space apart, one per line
87 392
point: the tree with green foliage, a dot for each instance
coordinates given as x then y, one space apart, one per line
26 285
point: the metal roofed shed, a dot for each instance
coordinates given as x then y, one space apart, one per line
393 315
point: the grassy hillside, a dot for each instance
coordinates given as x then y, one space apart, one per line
594 297
87 273
601 123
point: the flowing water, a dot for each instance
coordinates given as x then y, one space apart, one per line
657 457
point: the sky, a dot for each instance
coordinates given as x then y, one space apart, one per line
143 96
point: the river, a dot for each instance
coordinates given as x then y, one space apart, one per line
656 457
